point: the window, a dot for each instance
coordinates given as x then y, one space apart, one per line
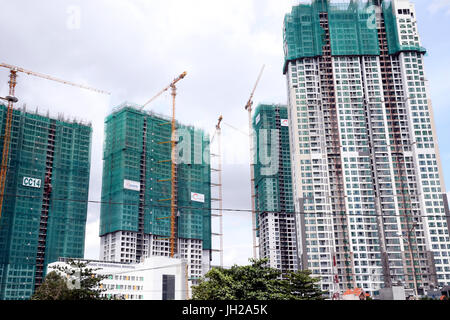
168 287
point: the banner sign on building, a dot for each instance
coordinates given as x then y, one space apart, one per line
131 185
284 122
31 182
197 197
258 117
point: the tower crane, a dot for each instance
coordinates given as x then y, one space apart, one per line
219 186
172 141
11 99
171 85
248 107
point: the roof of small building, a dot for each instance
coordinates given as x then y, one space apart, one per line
356 292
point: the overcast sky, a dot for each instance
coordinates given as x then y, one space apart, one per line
134 48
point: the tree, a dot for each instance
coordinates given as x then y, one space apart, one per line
54 287
303 287
256 282
84 283
74 281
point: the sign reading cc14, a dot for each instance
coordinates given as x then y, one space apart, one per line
31 182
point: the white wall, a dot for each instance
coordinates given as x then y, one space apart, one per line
142 281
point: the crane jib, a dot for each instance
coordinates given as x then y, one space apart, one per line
44 76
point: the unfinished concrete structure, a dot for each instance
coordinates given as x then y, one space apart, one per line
368 181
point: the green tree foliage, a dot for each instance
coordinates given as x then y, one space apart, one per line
256 282
301 286
84 282
53 288
80 283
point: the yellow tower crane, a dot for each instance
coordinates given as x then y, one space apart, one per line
173 203
11 99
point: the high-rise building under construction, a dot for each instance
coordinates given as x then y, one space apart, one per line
137 190
274 203
45 199
368 181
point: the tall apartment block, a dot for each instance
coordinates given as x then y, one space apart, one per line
367 175
274 203
45 203
136 190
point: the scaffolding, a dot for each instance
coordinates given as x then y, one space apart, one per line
216 185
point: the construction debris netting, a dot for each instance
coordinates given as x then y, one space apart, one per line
352 28
122 161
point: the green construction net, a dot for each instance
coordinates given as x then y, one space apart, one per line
303 35
352 29
123 148
23 202
272 165
394 42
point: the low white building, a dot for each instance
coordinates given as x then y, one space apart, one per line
393 293
157 278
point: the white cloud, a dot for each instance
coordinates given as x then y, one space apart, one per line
134 48
92 240
234 255
439 5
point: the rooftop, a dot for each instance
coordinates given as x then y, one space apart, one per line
60 117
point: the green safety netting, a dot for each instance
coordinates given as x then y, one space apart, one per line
19 224
394 44
352 29
270 120
303 35
123 149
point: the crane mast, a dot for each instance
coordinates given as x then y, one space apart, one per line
173 169
219 199
7 137
219 139
248 107
173 199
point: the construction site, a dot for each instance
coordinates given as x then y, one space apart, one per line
138 218
49 161
356 83
156 190
346 179
274 205
44 162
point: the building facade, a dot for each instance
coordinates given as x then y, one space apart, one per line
136 190
45 203
156 278
367 175
273 188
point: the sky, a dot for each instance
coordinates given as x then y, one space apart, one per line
134 48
